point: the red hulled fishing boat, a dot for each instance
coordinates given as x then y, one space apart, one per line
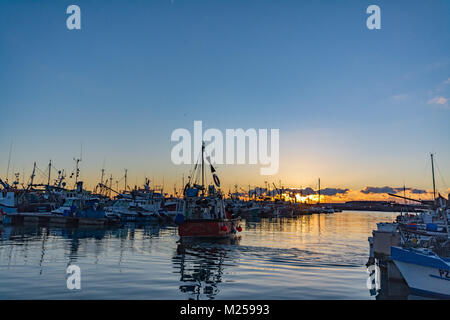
204 214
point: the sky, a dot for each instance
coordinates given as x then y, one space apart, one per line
356 107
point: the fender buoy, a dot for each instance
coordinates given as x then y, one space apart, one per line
216 180
224 228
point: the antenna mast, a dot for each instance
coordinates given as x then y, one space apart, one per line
125 181
49 172
319 191
432 172
9 161
33 174
203 168
77 170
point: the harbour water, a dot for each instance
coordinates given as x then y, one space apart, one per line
320 256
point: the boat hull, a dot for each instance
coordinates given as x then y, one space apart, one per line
204 228
425 275
7 209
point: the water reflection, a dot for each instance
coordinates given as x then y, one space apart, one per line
317 256
76 241
201 266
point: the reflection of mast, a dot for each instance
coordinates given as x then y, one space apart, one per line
44 238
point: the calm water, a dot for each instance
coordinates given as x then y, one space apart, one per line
308 257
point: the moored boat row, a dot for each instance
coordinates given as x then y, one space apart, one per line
415 248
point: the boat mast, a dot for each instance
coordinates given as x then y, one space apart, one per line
110 184
33 174
404 198
319 191
77 170
125 190
182 185
49 172
432 172
9 161
103 173
203 168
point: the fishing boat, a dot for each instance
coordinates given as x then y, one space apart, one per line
327 210
7 202
2 216
132 211
387 227
7 198
283 211
425 272
258 209
205 215
172 208
138 205
83 208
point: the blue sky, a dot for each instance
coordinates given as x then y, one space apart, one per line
354 106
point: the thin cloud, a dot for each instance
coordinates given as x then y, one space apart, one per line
400 97
438 100
333 191
417 191
387 189
325 192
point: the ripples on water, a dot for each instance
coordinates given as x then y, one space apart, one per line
308 257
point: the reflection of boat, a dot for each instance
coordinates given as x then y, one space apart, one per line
205 215
201 268
425 272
